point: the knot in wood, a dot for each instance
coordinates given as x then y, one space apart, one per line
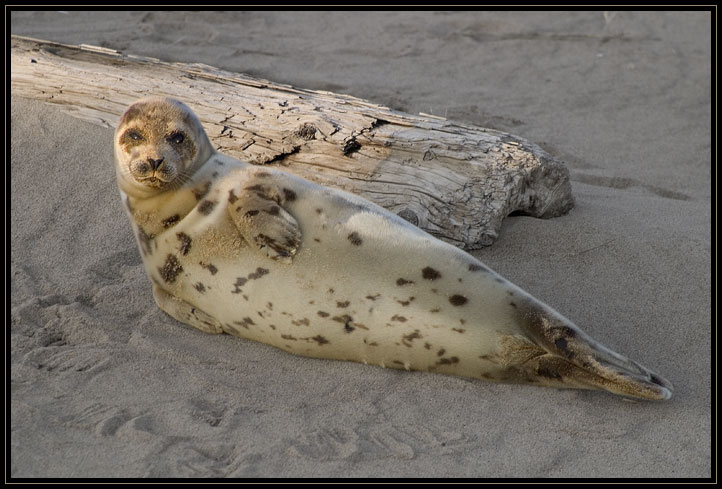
306 131
410 216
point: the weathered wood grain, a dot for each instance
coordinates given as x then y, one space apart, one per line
453 180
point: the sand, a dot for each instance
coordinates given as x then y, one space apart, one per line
104 384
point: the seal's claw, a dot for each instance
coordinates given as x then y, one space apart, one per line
282 246
261 219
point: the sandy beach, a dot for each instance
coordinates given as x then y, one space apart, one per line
104 384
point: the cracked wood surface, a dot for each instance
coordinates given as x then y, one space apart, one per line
455 181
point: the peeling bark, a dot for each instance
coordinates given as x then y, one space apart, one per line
455 181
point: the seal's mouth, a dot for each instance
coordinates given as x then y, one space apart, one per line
153 181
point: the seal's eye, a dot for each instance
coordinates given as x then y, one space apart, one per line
176 138
134 136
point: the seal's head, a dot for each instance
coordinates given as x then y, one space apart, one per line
159 143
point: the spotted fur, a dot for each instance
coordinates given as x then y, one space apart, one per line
267 256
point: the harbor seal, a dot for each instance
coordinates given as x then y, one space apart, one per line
262 254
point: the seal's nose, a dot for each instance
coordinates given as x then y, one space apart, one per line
155 164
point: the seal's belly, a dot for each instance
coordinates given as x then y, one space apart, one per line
350 293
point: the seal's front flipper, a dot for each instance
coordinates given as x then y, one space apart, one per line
261 219
568 357
185 312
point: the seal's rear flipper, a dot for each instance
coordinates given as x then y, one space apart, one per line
568 357
621 375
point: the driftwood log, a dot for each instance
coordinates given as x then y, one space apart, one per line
453 180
